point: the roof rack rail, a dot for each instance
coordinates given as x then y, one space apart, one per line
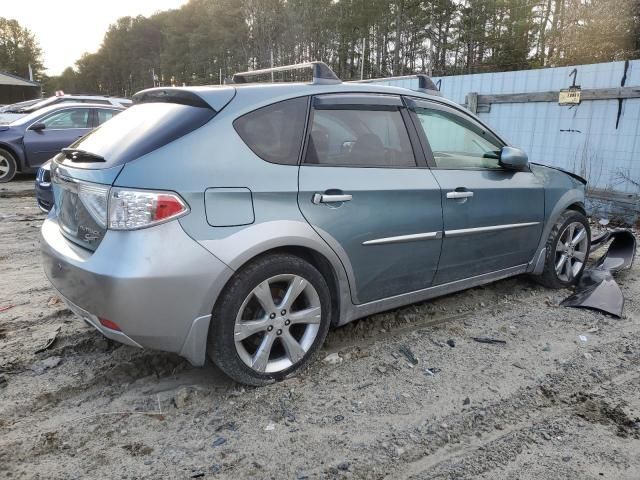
322 74
425 84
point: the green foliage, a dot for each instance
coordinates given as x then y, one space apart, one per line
18 49
206 41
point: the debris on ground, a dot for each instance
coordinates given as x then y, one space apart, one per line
53 301
50 340
406 351
597 289
493 341
333 359
219 441
451 343
6 307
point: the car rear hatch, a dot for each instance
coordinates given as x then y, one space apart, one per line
83 173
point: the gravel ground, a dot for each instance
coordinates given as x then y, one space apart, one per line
561 399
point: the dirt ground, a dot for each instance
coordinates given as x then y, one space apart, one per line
559 400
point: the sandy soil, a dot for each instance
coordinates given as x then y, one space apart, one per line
546 405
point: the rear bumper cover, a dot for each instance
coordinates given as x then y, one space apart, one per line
157 284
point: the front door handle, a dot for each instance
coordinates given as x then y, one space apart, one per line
326 198
464 194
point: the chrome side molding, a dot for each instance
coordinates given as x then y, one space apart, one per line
404 238
491 228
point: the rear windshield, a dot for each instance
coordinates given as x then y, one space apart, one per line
137 131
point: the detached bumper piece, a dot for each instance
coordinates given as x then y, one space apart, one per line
597 289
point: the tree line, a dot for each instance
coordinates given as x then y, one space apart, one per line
19 49
206 41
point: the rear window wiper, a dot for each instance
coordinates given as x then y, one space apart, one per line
76 155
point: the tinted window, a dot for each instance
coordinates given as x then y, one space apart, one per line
359 138
139 130
457 143
104 115
72 118
275 132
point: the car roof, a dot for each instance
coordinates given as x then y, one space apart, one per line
259 93
63 106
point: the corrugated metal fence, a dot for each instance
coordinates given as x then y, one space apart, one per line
598 139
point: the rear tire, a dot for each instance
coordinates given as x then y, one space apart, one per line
567 251
270 320
8 166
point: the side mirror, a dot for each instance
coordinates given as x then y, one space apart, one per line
514 159
38 126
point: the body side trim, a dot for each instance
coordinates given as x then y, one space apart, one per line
491 228
404 238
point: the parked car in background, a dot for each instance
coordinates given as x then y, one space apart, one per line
10 113
14 107
28 142
240 222
44 193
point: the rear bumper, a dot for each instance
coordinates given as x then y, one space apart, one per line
95 323
157 284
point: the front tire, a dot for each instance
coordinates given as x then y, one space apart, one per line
271 319
567 250
8 166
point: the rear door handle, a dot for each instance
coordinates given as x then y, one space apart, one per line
459 194
326 198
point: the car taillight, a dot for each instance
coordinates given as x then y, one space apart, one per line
133 209
94 198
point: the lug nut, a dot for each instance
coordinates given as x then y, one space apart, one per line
287 322
279 332
283 312
272 316
269 328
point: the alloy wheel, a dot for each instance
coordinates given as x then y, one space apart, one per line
571 251
5 167
277 323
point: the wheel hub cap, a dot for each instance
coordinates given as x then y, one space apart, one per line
277 323
571 251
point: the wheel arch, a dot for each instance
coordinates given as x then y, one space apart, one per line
315 258
19 159
578 207
572 199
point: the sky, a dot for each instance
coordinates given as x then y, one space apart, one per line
65 29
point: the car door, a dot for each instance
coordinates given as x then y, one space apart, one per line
61 129
374 201
493 217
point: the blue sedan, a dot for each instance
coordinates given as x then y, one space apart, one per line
28 142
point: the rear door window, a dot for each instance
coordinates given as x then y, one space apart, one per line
359 137
66 119
275 132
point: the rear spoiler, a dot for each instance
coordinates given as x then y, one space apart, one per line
171 95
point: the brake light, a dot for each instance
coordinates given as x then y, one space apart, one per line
134 209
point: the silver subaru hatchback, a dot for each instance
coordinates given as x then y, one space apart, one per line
240 222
